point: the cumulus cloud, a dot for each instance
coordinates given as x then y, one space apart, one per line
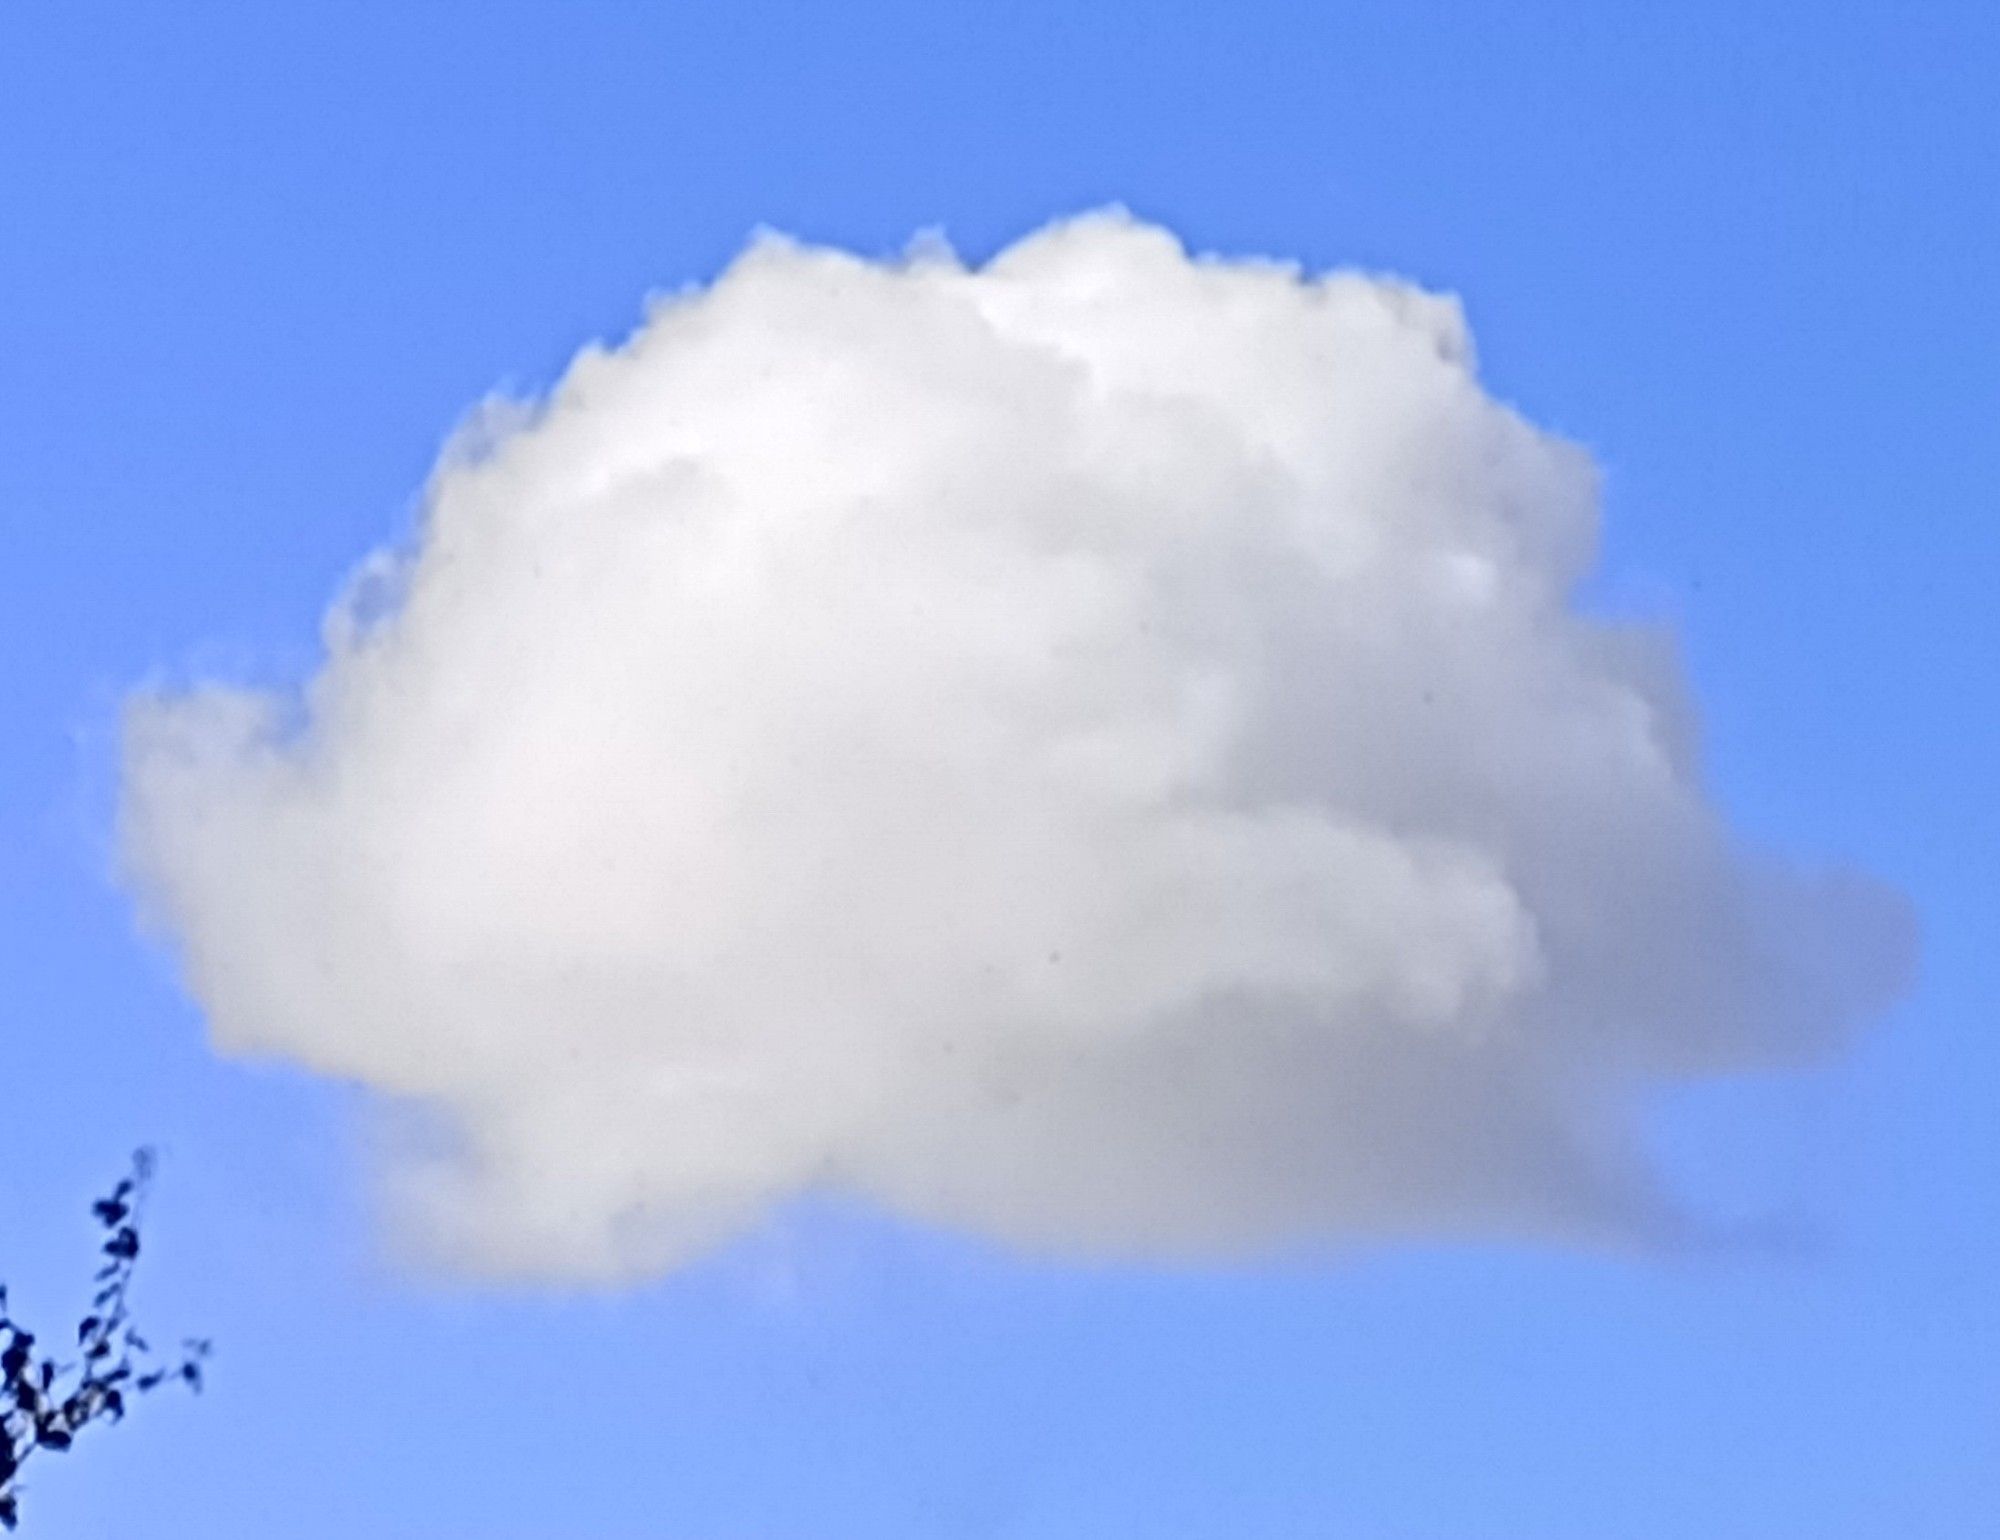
1096 749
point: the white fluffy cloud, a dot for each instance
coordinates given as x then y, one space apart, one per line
1095 749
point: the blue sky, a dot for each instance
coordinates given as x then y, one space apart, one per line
255 261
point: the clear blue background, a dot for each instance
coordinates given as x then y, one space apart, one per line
256 258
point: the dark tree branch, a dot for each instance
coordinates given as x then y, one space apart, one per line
45 1404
